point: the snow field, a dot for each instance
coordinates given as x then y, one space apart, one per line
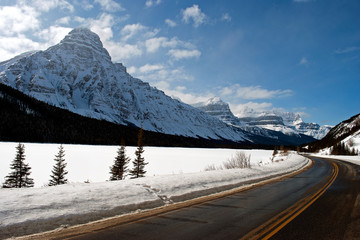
179 175
92 162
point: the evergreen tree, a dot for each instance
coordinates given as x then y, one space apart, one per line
119 169
139 162
59 172
19 177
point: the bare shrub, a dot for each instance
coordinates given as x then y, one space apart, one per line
210 167
239 160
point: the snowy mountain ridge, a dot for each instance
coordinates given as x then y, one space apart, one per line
77 74
288 123
347 132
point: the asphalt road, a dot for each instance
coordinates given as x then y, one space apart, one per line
335 215
320 203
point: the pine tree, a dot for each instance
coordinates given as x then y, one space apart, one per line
119 169
59 172
139 162
19 177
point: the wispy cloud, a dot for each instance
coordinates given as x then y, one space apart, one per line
154 44
150 3
151 68
347 50
110 5
182 93
159 74
226 17
170 23
193 14
178 54
130 30
303 61
45 6
63 20
53 34
253 92
302 1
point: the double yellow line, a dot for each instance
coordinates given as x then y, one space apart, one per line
271 227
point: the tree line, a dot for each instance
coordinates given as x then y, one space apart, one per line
19 177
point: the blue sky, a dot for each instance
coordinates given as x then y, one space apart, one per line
291 55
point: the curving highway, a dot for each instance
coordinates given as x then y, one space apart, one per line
322 202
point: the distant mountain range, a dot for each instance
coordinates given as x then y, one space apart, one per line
78 75
286 122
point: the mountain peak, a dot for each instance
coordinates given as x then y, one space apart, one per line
84 42
215 101
82 35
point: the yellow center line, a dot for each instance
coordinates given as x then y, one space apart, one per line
275 224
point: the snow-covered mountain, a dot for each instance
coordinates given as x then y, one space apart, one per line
221 110
77 74
286 122
345 128
346 132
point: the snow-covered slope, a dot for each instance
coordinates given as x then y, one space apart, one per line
345 128
353 141
347 132
285 122
77 74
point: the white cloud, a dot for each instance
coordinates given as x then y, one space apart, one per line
150 3
102 26
46 6
226 91
153 44
85 4
155 73
303 61
180 92
12 46
63 21
150 68
226 17
18 20
178 54
151 33
53 35
253 92
130 30
195 14
120 51
170 23
110 5
79 19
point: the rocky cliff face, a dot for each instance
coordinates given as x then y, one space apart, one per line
219 109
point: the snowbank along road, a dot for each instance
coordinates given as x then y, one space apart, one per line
270 210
